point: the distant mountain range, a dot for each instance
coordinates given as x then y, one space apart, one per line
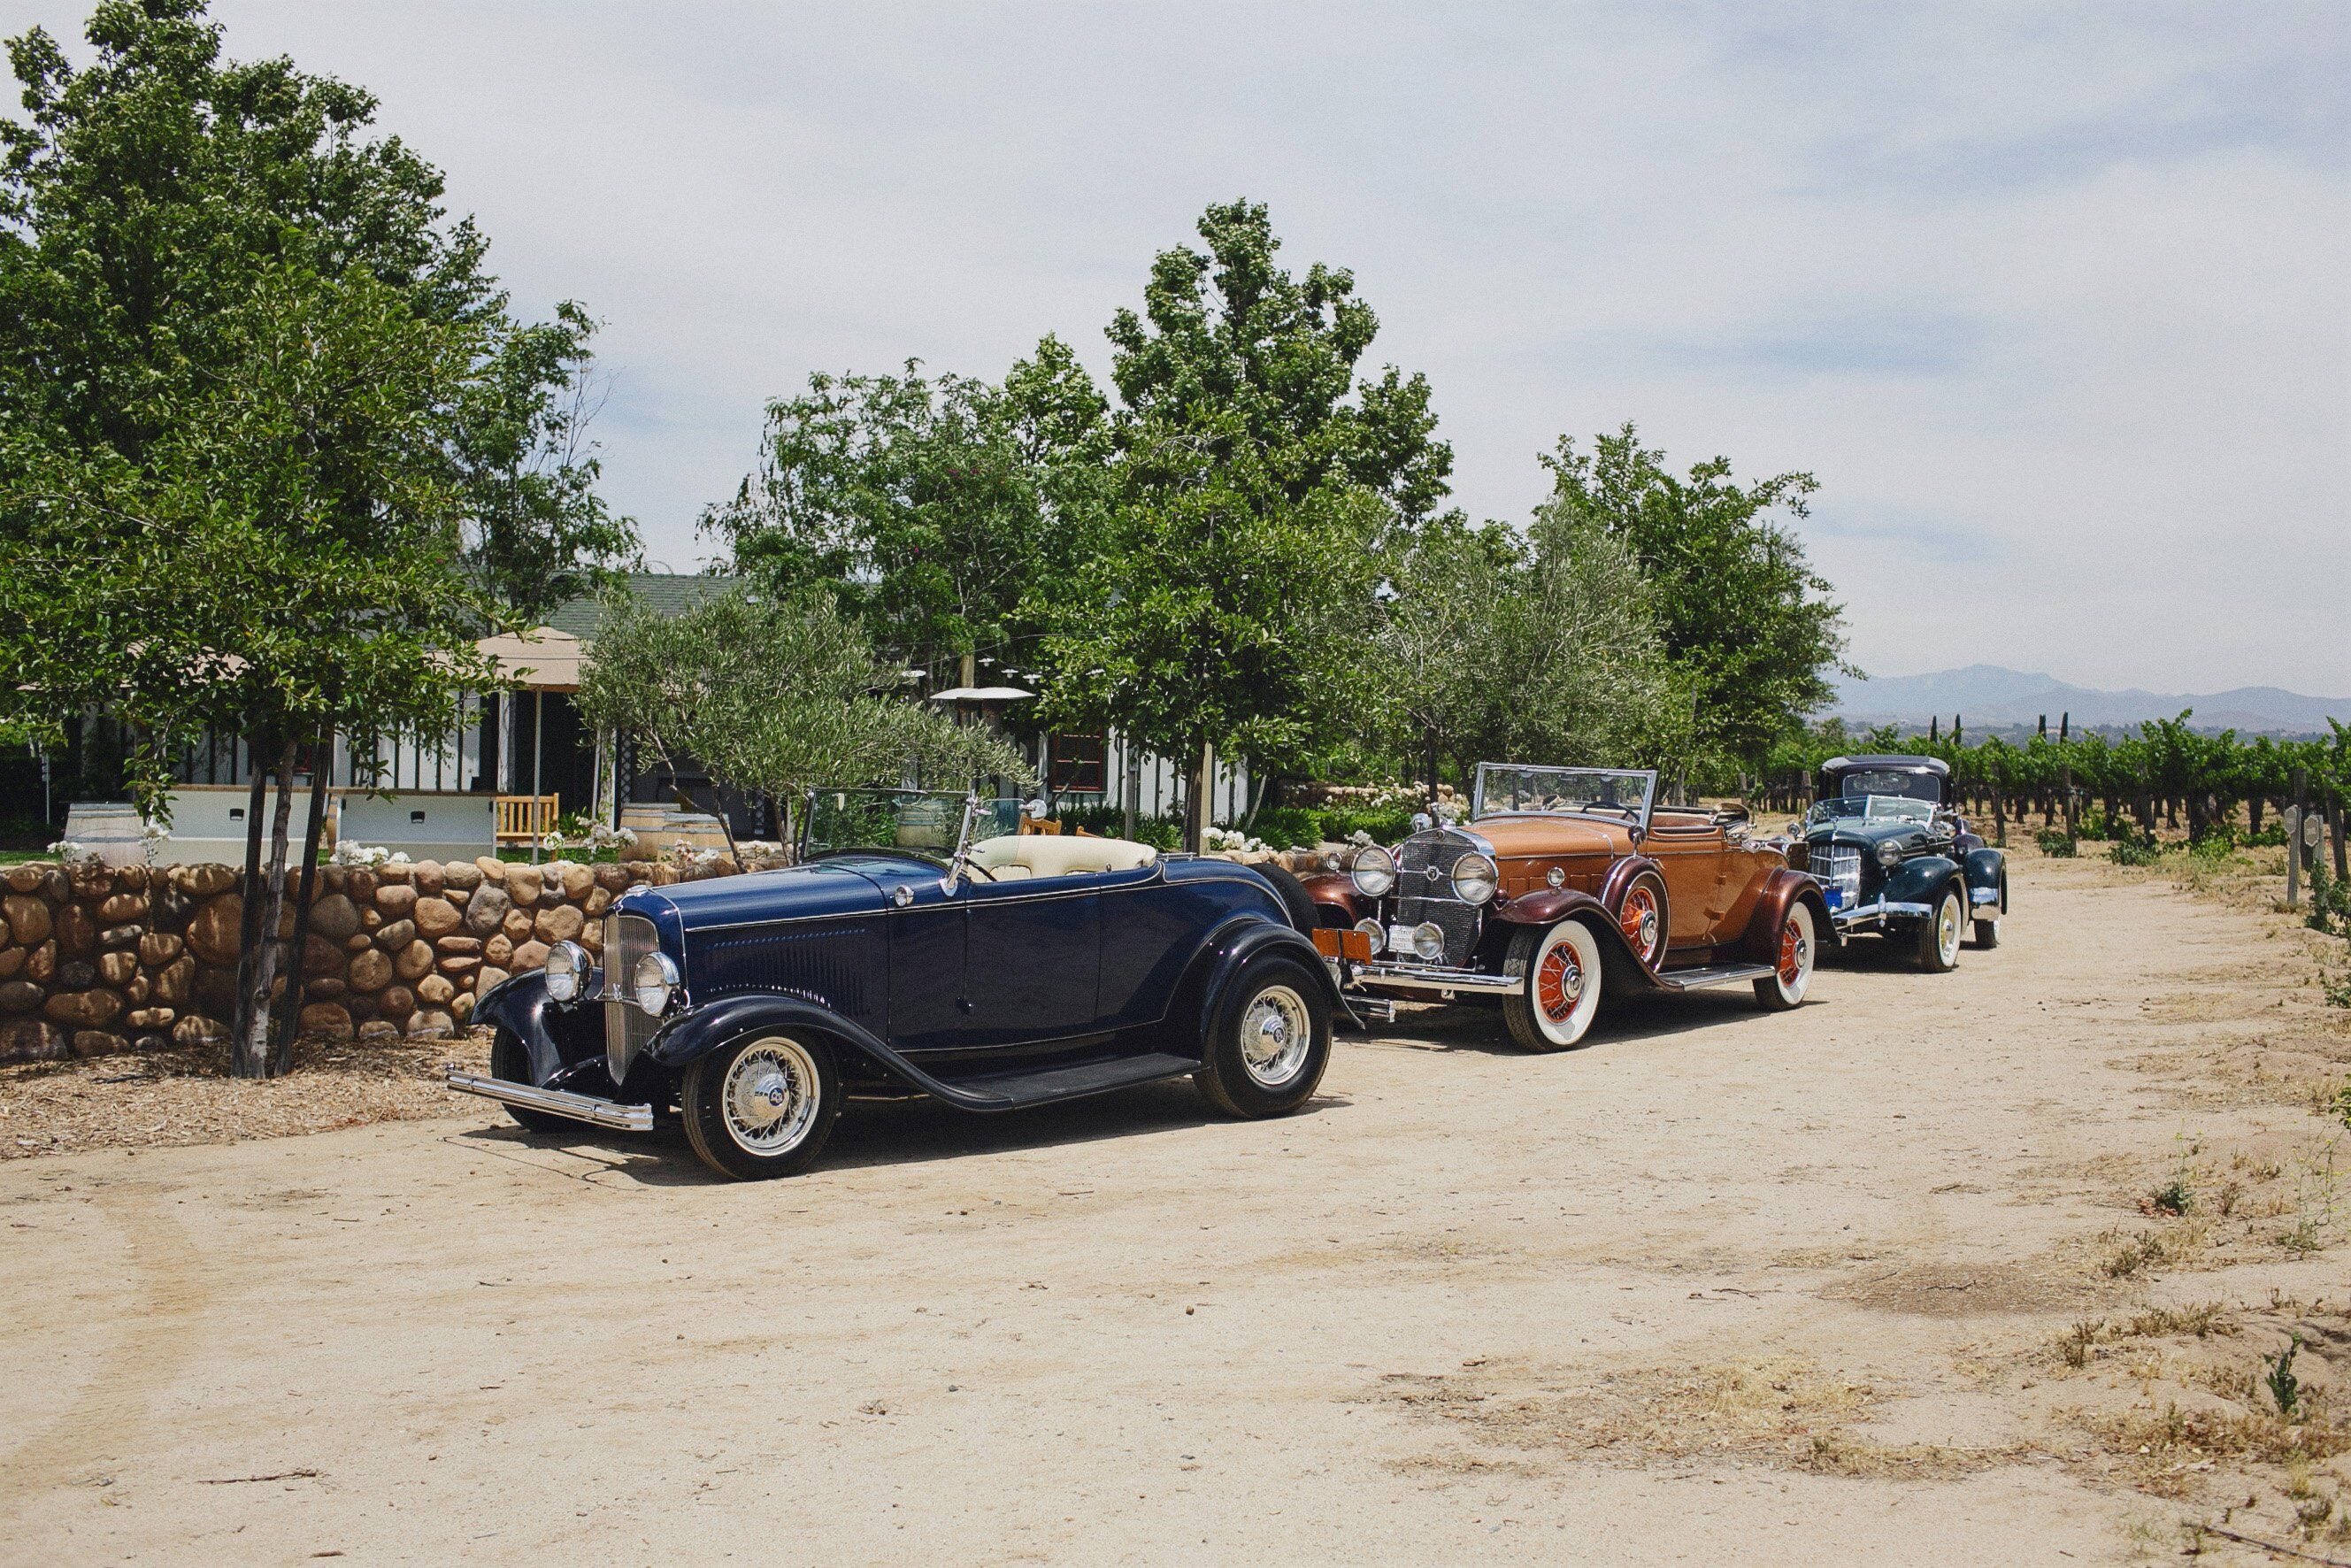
1991 696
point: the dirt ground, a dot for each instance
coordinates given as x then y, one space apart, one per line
1894 1278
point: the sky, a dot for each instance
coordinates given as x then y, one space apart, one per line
2054 301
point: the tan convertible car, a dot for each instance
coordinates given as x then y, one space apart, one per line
1561 884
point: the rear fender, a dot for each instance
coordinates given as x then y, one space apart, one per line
1782 890
1219 965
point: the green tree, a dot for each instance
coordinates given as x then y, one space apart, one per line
774 696
926 506
1253 487
201 263
277 562
1535 647
1737 605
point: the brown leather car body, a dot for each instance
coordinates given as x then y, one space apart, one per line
1726 896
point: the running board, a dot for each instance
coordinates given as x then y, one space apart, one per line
1012 1091
1712 975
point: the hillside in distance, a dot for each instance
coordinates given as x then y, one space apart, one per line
1992 696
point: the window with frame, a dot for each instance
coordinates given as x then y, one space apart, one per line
1079 764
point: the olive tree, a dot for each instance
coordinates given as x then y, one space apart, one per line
774 696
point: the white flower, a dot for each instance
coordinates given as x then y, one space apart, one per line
352 853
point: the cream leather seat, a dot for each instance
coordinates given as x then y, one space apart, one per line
1015 856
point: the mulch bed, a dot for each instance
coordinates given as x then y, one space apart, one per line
184 1095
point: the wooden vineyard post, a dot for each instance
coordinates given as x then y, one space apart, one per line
2334 827
2066 783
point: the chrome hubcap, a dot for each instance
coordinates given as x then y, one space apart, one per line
1276 1031
1947 930
770 1096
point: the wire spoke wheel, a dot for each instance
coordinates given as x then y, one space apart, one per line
1642 918
770 1096
1276 1033
1559 990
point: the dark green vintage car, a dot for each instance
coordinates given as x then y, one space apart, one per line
1894 857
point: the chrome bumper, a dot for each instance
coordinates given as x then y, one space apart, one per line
1436 978
1871 913
1979 895
556 1101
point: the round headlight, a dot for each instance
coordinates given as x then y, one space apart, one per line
1373 935
1473 878
655 977
566 970
1374 871
1889 852
1556 876
1428 941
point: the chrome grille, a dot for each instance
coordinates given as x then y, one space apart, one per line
627 1026
1424 890
1840 868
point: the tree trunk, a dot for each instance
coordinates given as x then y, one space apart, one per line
249 927
1432 775
290 1006
1198 806
251 1049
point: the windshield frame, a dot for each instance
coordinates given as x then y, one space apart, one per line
1647 776
1822 811
966 801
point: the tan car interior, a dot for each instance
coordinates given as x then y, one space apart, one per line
1015 856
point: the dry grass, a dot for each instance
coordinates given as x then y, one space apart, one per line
1779 1411
164 1098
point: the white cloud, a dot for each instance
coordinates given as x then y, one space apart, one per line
2051 298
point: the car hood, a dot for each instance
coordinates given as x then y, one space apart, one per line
840 885
1551 836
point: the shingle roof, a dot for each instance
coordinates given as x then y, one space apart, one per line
663 592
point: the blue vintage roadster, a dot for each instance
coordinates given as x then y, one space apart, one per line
909 955
1892 854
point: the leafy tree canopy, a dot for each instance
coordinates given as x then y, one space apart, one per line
1538 647
775 696
929 507
142 197
1737 605
1253 487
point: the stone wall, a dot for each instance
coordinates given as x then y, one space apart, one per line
99 961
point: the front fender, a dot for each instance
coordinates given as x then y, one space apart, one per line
520 1003
1549 906
1232 949
1553 904
1334 895
687 1039
1988 868
1921 879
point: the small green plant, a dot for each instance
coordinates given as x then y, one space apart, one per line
2330 902
2283 1385
2134 852
2174 1196
2056 843
2094 822
2343 1102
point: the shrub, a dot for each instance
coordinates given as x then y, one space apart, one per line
2056 843
2133 852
